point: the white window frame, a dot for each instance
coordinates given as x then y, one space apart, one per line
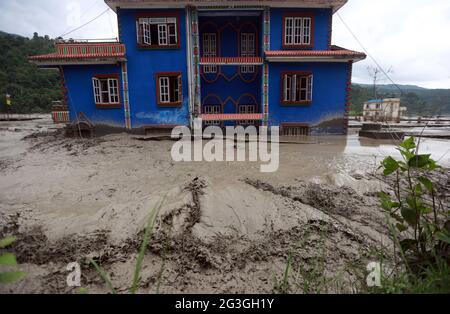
292 85
163 38
97 90
112 92
248 49
246 109
209 50
146 34
165 87
113 89
212 109
297 31
166 28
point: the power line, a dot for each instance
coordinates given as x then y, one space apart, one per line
89 22
368 53
82 15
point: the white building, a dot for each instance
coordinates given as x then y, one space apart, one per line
383 110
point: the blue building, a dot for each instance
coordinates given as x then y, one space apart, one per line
230 62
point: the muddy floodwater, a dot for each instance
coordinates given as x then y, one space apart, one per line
224 227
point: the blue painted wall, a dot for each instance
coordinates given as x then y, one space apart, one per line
326 113
321 27
143 64
227 82
81 95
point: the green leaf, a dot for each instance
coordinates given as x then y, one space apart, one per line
8 259
413 202
427 183
443 236
419 161
410 216
386 202
425 210
6 242
432 165
408 143
406 154
10 277
418 189
390 165
401 227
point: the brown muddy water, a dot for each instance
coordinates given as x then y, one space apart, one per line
223 227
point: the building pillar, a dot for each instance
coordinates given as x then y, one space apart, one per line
265 67
195 63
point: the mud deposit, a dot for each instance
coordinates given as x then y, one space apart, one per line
223 227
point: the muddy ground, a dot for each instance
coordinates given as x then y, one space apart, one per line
222 228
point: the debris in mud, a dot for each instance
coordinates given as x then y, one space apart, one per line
343 201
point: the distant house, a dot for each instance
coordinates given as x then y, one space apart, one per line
262 62
383 110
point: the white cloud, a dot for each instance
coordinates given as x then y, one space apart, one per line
411 36
55 17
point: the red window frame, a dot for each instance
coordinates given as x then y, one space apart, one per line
295 46
119 88
156 15
172 103
297 102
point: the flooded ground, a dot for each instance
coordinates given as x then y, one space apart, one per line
223 227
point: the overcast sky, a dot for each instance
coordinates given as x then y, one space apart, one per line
410 36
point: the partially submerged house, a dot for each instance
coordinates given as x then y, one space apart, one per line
229 62
383 110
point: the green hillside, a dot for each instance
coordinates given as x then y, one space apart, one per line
32 89
418 100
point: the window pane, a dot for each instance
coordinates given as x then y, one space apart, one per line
162 34
173 38
306 31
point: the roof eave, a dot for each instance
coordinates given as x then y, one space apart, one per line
314 59
60 62
163 4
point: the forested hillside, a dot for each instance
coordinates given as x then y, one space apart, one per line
31 89
34 89
418 100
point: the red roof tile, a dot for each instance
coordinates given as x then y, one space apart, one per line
69 51
335 52
232 117
231 60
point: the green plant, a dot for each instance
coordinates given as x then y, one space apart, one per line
283 286
9 260
421 228
137 271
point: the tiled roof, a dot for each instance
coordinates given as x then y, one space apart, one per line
232 116
334 4
231 60
83 51
335 52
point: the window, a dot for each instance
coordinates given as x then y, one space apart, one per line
295 129
212 109
247 50
246 109
297 88
106 90
298 31
209 50
157 31
169 89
